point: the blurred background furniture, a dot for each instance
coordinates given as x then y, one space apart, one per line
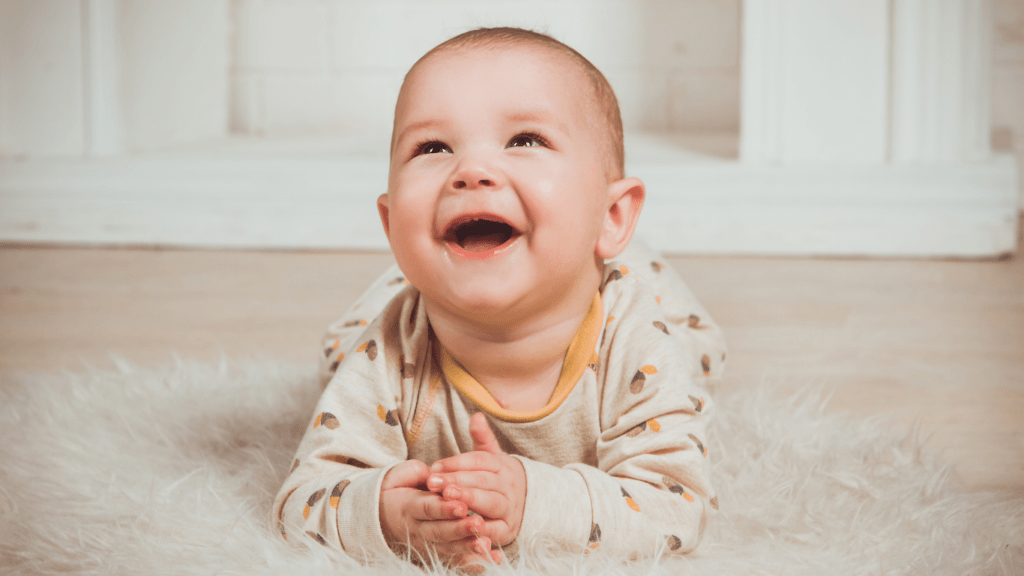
847 127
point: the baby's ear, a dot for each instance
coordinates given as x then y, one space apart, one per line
625 198
382 208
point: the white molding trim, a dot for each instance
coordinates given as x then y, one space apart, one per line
941 80
696 204
102 79
815 81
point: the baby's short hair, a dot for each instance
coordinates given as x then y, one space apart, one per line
601 91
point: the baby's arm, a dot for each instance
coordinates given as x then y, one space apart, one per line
341 336
351 487
685 318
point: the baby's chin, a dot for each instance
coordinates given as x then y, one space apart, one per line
489 303
511 304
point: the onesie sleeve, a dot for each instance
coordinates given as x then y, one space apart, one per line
651 484
649 492
341 335
701 338
353 438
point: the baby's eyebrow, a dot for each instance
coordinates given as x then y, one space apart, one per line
421 125
540 118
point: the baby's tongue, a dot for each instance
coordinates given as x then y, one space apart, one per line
483 242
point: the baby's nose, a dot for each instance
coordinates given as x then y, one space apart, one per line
464 182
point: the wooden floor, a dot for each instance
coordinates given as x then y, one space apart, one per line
937 341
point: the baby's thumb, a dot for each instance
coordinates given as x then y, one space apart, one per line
408 474
483 437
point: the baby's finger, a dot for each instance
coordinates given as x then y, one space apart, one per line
481 461
447 531
411 473
473 553
475 479
428 506
498 531
484 502
483 436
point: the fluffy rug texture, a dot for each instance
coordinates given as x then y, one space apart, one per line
173 470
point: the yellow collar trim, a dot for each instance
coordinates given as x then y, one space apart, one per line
580 354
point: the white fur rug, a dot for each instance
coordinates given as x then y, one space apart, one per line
172 471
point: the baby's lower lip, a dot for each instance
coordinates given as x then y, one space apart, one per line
458 250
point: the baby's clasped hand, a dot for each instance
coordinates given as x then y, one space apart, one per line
488 481
418 518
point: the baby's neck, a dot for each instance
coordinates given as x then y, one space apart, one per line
519 366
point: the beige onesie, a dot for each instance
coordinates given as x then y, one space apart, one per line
616 461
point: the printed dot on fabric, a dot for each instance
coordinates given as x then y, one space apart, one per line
629 500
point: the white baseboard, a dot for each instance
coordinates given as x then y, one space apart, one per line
696 204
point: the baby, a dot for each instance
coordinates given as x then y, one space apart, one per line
511 382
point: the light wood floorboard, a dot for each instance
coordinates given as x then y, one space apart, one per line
938 342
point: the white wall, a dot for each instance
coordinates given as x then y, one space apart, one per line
1008 82
175 58
320 66
160 68
41 85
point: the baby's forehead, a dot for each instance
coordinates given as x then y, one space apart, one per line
523 51
569 74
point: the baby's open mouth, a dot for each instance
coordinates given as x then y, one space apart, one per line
481 235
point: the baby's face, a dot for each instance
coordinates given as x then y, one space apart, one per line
497 190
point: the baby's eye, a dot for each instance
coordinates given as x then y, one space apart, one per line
433 147
525 140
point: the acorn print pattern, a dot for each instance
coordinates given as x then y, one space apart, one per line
337 362
640 377
693 321
673 542
657 266
676 488
313 499
370 347
705 363
317 537
651 424
330 349
327 420
629 500
397 281
344 460
280 526
595 537
700 445
389 417
661 326
354 323
616 274
336 492
698 403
